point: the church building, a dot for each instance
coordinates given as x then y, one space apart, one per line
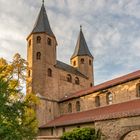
68 96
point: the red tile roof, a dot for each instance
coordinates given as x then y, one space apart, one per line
125 109
108 84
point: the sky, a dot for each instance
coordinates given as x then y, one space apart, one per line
111 29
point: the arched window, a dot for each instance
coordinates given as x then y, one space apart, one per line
38 55
69 78
91 84
49 72
89 62
49 41
74 63
52 131
138 90
29 44
97 101
69 107
38 39
82 60
77 81
64 129
29 73
78 106
109 98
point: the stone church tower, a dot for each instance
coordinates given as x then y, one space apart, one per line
41 53
49 78
41 57
82 59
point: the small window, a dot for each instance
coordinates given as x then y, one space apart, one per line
91 84
97 101
109 98
52 131
82 60
69 78
29 73
69 107
64 130
29 44
74 63
77 81
138 90
49 41
78 106
49 72
38 55
38 39
89 62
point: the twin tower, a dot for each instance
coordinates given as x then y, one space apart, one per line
50 78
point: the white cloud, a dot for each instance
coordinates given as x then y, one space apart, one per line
111 29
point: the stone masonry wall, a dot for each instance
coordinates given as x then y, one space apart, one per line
120 93
66 88
113 129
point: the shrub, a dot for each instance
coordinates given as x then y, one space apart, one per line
82 134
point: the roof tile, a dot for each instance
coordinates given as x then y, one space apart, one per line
69 68
125 109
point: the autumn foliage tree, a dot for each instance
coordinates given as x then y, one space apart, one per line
17 115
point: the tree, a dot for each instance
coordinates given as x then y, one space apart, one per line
2 62
17 115
19 66
82 134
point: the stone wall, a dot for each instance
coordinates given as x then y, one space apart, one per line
133 135
113 129
120 93
64 106
86 68
65 88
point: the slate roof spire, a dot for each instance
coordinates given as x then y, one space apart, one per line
80 27
42 1
42 23
81 48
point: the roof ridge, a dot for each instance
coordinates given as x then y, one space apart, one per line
128 74
104 85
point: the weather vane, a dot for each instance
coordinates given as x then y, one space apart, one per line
81 27
42 1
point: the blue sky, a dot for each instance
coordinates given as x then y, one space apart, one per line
111 29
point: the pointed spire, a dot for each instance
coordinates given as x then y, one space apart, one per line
80 27
42 22
81 48
43 2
